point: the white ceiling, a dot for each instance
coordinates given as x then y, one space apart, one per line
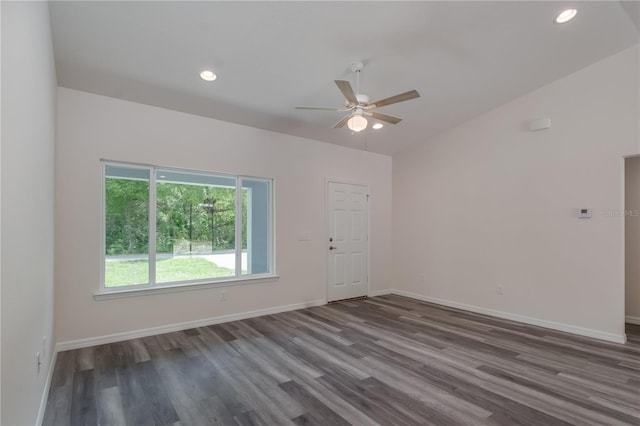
463 57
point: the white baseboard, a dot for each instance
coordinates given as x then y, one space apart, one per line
47 386
596 334
135 334
632 320
374 293
117 337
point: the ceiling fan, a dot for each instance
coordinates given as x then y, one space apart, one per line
358 106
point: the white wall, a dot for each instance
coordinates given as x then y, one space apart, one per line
92 127
632 238
491 204
27 158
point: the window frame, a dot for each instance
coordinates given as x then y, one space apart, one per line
152 286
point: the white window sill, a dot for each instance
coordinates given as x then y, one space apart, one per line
173 288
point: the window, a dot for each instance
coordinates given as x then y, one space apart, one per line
166 227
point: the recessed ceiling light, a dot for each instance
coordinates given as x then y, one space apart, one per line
207 75
377 126
566 16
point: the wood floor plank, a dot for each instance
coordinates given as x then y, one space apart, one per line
83 407
58 409
434 398
351 390
64 369
251 388
209 411
250 418
549 389
289 364
85 359
317 412
109 407
222 333
377 361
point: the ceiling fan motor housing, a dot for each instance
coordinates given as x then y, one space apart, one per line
362 100
356 66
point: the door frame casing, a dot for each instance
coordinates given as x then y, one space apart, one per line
328 181
623 206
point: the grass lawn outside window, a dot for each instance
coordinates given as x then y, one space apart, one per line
183 268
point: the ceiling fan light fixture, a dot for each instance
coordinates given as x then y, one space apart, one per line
565 16
357 123
377 126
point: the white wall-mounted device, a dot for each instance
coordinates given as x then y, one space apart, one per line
584 213
539 124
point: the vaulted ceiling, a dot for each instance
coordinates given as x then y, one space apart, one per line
463 57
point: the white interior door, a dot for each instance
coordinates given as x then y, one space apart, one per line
347 241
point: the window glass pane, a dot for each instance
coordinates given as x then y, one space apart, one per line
256 229
126 226
195 226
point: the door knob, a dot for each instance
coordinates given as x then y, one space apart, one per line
332 248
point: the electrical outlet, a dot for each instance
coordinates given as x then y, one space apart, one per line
223 295
499 290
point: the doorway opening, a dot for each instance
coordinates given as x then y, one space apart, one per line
632 241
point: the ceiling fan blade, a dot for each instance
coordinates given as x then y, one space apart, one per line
411 94
347 91
322 108
342 122
384 117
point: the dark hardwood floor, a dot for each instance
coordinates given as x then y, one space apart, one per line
385 360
